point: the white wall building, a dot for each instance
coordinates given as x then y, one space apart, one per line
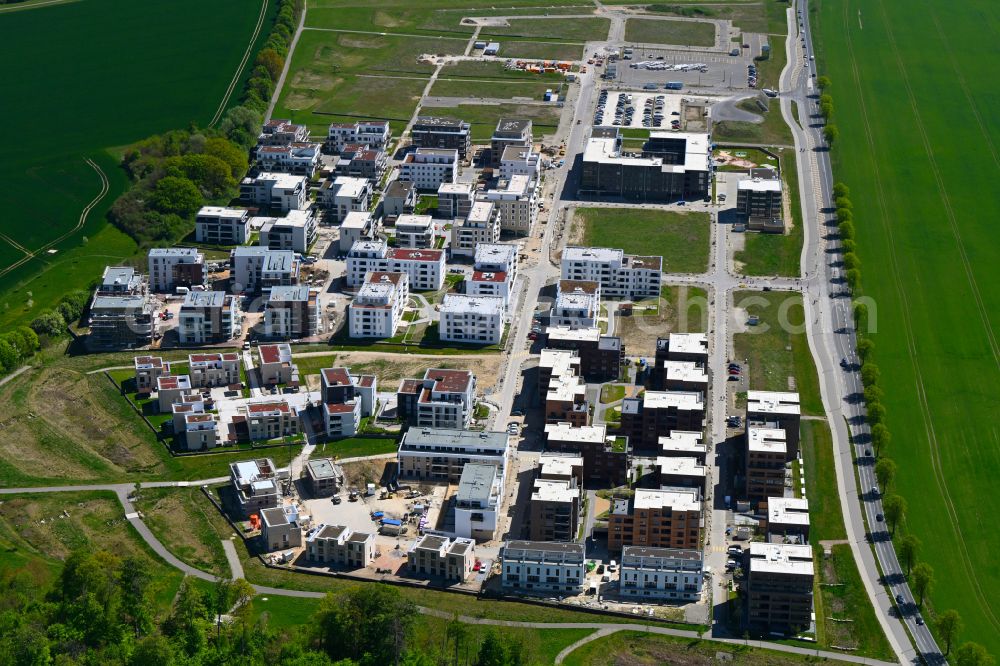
542 567
208 317
372 133
472 319
278 191
255 268
578 304
377 309
301 159
171 267
296 231
441 454
517 202
661 573
425 268
222 226
365 257
620 275
520 161
357 225
428 168
415 231
482 225
477 501
345 194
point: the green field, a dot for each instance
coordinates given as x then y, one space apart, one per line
541 49
680 238
112 72
684 33
572 30
773 254
447 87
933 278
483 118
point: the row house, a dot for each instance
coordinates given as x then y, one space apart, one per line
373 133
542 567
661 574
269 420
441 557
300 159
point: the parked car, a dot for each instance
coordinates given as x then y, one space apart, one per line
879 517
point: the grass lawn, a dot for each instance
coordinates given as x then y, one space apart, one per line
446 87
354 447
776 349
488 69
679 309
167 84
565 29
612 393
483 118
772 254
680 238
684 33
773 131
542 50
928 167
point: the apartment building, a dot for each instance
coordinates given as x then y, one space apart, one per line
516 202
364 257
620 275
366 163
474 320
171 389
415 231
661 574
554 510
787 519
346 400
373 133
442 133
605 457
777 409
425 268
440 454
497 257
509 132
779 587
672 166
684 444
255 486
482 225
277 191
520 161
766 456
477 501
282 132
274 365
254 269
199 431
400 198
664 518
292 313
147 370
343 195
340 545
222 226
542 566
681 472
296 231
377 308
210 370
684 376
646 419
171 267
208 317
492 285
324 477
121 312
441 557
186 404
455 200
681 348
601 356
280 528
578 304
554 466
357 226
300 158
555 363
566 398
267 420
442 399
428 168
760 200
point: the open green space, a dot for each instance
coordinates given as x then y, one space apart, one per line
484 117
543 50
680 238
682 33
105 99
772 131
489 69
778 254
936 339
448 87
565 29
776 348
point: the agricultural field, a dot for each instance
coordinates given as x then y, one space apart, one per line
85 110
684 33
933 279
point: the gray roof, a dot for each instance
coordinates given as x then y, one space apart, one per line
493 442
476 483
549 546
322 468
290 293
204 299
665 553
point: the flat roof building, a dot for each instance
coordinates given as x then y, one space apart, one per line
477 501
779 587
440 454
508 132
542 567
620 275
441 132
664 518
766 456
476 320
657 413
661 574
788 518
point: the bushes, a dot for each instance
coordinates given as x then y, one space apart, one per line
16 347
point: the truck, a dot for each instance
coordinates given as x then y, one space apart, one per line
674 85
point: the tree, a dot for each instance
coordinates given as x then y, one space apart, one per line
949 626
137 610
853 277
851 261
176 195
841 190
8 356
885 473
870 374
880 436
495 651
49 323
846 229
848 246
271 61
973 654
876 413
844 215
907 549
457 633
874 394
861 316
843 202
865 347
823 82
228 152
923 578
826 110
894 507
830 134
367 623
155 649
209 173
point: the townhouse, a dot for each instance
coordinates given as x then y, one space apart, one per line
428 168
280 528
208 317
440 454
661 518
472 319
346 400
147 370
442 133
274 365
661 574
542 566
218 225
210 370
171 267
441 399
296 231
441 557
377 308
340 545
620 275
267 420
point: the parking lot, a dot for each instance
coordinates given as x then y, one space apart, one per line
715 71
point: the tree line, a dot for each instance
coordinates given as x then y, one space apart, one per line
102 610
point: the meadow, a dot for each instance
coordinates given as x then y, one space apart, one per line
680 238
688 33
918 147
70 100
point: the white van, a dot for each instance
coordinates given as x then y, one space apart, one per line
182 290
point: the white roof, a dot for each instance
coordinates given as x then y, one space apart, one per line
567 333
687 371
349 186
688 400
689 343
221 211
495 253
677 499
463 304
565 387
419 221
773 402
759 185
680 466
576 301
455 188
788 511
696 152
766 440
376 293
557 464
280 179
781 558
562 361
564 432
683 441
552 490
356 219
481 212
604 255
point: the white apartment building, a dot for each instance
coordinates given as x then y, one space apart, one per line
300 158
543 567
477 501
296 231
278 191
357 226
428 168
620 275
661 573
377 308
171 389
424 268
292 313
364 257
346 400
208 317
497 257
222 226
516 202
578 304
372 133
455 200
255 268
214 369
345 194
269 420
472 319
441 399
520 161
415 231
171 267
440 454
282 132
482 225
487 283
